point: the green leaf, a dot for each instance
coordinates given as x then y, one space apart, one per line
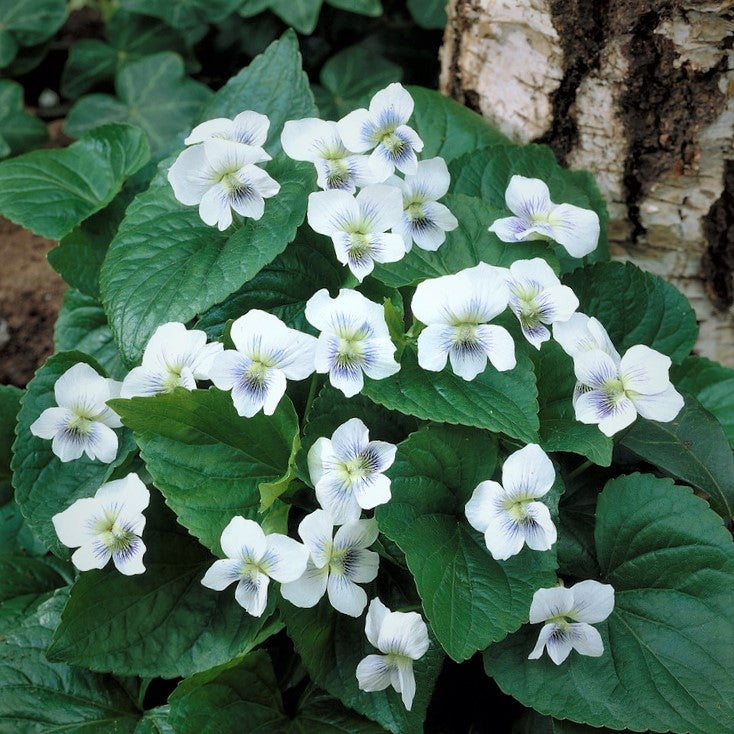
559 429
429 13
692 448
363 7
450 130
331 646
349 76
24 576
273 84
82 326
9 406
183 13
51 191
44 485
41 696
79 256
470 243
470 599
219 700
636 307
712 385
130 37
153 93
177 252
486 174
667 662
19 131
160 623
300 14
208 461
27 23
503 402
283 287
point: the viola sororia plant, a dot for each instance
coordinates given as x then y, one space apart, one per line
366 399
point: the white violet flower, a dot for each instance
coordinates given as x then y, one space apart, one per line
383 127
582 333
538 298
220 176
402 637
358 226
538 218
613 393
82 423
424 220
509 514
347 471
319 142
174 357
267 354
568 615
456 309
254 558
108 525
248 128
336 564
354 339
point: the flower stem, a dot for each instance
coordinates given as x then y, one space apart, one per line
580 469
312 390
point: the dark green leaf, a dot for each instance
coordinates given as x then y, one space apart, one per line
429 13
636 307
183 13
27 23
51 191
9 406
19 131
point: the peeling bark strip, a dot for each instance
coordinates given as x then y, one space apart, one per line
641 92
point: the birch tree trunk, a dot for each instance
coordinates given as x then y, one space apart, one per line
640 92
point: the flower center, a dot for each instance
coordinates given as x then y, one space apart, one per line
236 189
80 424
112 535
256 374
360 248
349 351
338 172
614 388
465 337
172 380
393 144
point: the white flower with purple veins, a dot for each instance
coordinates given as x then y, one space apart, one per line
220 177
347 471
509 514
319 142
424 220
267 354
337 564
82 423
568 615
358 226
383 127
613 393
401 637
108 525
354 339
456 309
538 218
582 333
537 298
254 558
248 128
174 357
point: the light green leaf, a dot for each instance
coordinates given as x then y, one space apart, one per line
470 599
43 484
19 131
178 253
208 461
713 386
160 623
667 661
152 93
504 402
82 326
331 645
466 246
274 84
351 75
450 130
51 191
692 448
486 173
559 429
636 307
183 13
429 13
27 23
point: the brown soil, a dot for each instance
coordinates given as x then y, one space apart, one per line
30 297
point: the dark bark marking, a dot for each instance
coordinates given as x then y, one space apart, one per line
718 261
